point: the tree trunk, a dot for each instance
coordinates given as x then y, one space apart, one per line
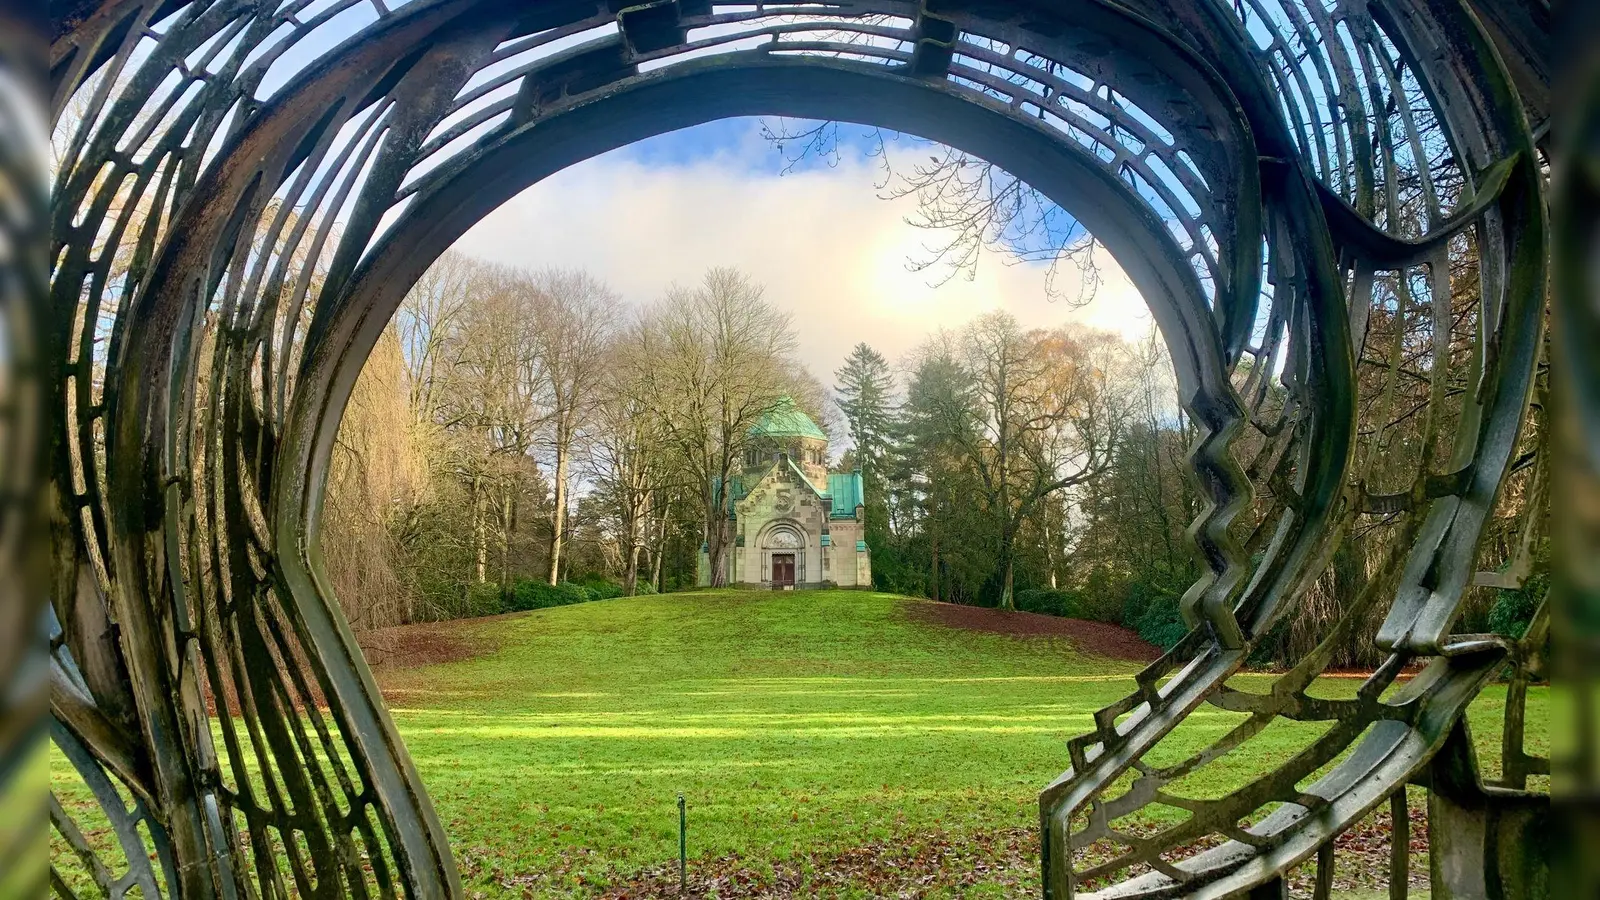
559 515
718 555
630 574
509 528
677 563
935 573
657 575
1049 549
480 541
631 526
716 536
1007 554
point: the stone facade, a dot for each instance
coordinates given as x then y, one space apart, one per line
794 524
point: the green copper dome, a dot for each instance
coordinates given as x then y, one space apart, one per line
786 420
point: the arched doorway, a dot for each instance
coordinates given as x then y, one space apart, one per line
783 554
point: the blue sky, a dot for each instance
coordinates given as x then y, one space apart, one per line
740 141
755 145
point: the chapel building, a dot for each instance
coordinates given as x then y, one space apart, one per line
794 524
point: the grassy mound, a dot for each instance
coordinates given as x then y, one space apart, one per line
799 727
829 743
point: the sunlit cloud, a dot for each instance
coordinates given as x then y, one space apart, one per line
825 244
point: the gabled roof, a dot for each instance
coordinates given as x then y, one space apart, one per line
845 490
800 476
786 420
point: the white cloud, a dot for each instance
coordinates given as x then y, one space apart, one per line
824 244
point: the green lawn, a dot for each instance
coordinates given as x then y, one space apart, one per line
824 740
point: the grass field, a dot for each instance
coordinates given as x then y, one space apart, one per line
825 742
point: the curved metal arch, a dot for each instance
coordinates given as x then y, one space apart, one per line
208 275
1160 72
1391 753
1490 125
144 489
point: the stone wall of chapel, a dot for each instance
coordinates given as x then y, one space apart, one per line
815 465
780 497
842 567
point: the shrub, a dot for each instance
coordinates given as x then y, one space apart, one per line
1513 610
525 594
483 599
1161 623
1153 613
1102 599
568 593
532 594
643 588
1049 601
602 590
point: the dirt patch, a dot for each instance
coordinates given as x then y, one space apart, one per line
427 644
1098 638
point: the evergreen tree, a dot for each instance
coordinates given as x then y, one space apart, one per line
951 548
865 390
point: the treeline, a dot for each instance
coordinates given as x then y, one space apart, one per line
497 393
1041 470
1048 471
1035 469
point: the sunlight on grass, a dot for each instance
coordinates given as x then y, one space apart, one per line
796 725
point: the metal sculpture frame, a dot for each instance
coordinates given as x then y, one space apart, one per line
245 190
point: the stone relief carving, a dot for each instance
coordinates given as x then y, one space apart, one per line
783 539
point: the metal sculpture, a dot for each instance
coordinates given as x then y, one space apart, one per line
244 191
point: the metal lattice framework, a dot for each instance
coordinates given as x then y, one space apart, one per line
245 189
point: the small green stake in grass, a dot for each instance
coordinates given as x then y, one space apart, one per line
683 846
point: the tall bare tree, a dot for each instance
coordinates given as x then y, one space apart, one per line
707 363
1040 415
574 316
427 320
627 468
469 338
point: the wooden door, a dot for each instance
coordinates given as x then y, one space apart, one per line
782 569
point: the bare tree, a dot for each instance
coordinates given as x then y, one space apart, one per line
574 316
477 379
1039 415
430 313
627 468
707 363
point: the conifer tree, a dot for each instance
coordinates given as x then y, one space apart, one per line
865 390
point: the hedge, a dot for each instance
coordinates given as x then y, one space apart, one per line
1048 601
531 594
